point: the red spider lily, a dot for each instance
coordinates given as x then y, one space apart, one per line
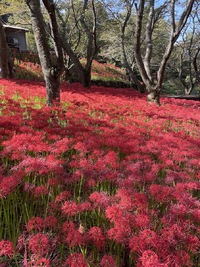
142 220
150 259
8 185
35 223
42 262
85 206
53 182
61 146
36 261
39 244
114 213
97 237
40 191
29 188
68 226
108 261
6 248
101 199
149 237
75 238
76 260
122 230
180 258
62 196
70 208
50 222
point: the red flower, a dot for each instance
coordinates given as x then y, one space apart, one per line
6 248
39 244
53 182
193 243
63 196
142 220
35 223
181 258
74 238
149 259
8 185
50 222
85 206
137 244
96 235
149 237
43 262
108 261
29 188
126 199
70 208
121 232
111 159
76 260
114 213
161 193
68 226
101 199
40 191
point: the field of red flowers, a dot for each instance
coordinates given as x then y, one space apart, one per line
27 66
104 180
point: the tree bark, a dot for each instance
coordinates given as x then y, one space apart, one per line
197 71
3 53
129 69
137 47
148 39
52 63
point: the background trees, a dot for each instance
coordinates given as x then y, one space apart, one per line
147 13
82 23
185 59
138 35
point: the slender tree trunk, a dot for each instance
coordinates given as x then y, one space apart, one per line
197 71
148 39
137 47
189 90
3 53
130 72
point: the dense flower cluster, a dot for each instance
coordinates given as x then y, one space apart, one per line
103 180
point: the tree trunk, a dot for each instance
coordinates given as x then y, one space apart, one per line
86 79
137 48
140 86
83 73
52 63
197 71
53 89
4 70
154 96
